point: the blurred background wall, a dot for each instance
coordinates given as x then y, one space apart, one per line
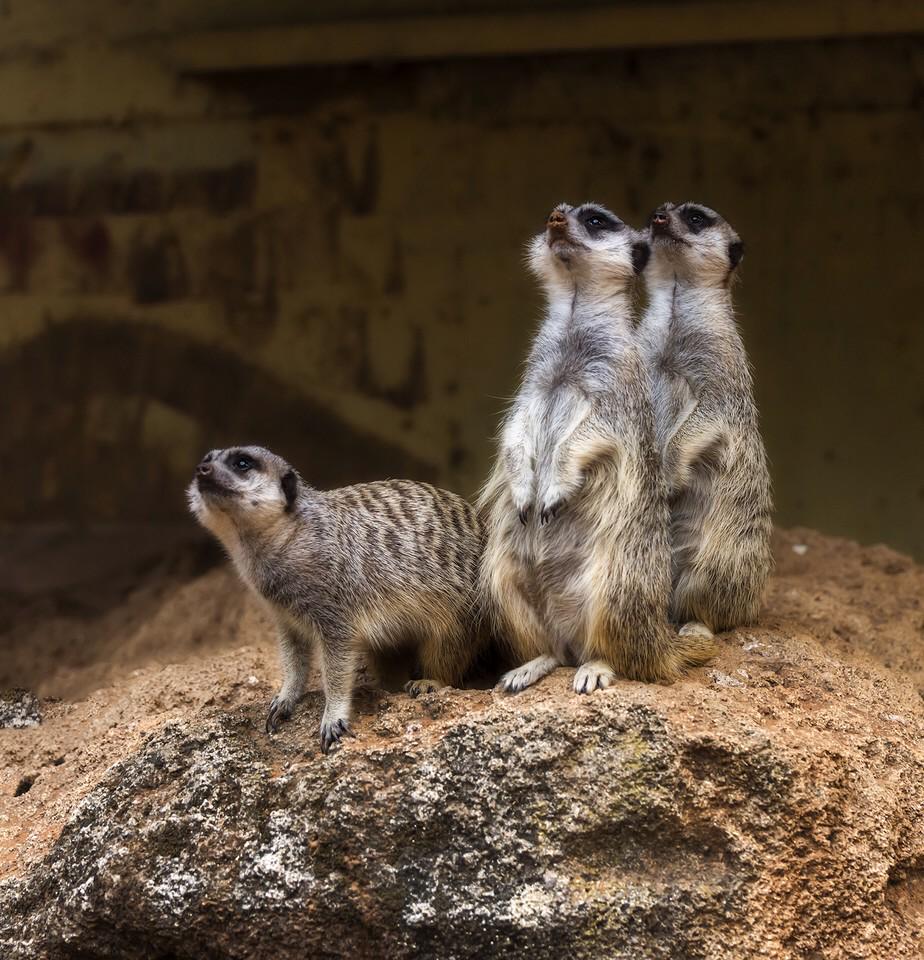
229 221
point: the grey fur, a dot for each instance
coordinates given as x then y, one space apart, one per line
577 559
366 569
707 423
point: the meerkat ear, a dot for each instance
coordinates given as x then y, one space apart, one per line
640 254
735 253
289 484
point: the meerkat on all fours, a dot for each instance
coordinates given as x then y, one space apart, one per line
713 455
367 569
577 561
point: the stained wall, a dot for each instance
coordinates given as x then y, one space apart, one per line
329 260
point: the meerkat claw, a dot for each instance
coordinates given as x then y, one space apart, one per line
279 710
414 688
550 512
595 675
332 732
523 514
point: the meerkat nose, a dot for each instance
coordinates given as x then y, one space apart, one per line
557 220
203 470
659 219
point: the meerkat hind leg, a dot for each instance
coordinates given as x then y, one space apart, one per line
593 675
389 669
444 656
415 688
694 628
526 675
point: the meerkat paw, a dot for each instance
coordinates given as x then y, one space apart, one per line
696 629
550 511
522 503
551 503
415 688
595 675
525 676
333 730
280 709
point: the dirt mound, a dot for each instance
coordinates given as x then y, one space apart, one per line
769 805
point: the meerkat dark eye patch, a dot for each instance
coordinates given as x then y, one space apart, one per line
242 462
735 253
697 220
289 483
599 221
640 254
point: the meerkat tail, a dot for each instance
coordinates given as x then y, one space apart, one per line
637 643
693 650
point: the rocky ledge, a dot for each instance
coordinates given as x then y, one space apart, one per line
770 806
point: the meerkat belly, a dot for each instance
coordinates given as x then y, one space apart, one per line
563 580
401 615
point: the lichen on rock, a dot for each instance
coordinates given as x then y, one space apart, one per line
19 708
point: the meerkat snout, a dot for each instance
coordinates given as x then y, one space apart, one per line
661 224
557 220
558 234
660 219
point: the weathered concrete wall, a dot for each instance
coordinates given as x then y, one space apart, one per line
329 261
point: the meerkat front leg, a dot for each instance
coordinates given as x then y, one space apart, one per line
687 444
519 457
338 664
561 476
294 658
526 675
572 461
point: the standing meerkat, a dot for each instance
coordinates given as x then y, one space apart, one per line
714 459
373 568
577 561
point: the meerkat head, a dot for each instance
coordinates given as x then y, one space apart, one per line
241 488
690 241
587 245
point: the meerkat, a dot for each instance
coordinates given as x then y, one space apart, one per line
707 426
366 569
576 569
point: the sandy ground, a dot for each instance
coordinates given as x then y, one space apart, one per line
119 633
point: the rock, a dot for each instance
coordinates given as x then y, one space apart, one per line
19 708
779 816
